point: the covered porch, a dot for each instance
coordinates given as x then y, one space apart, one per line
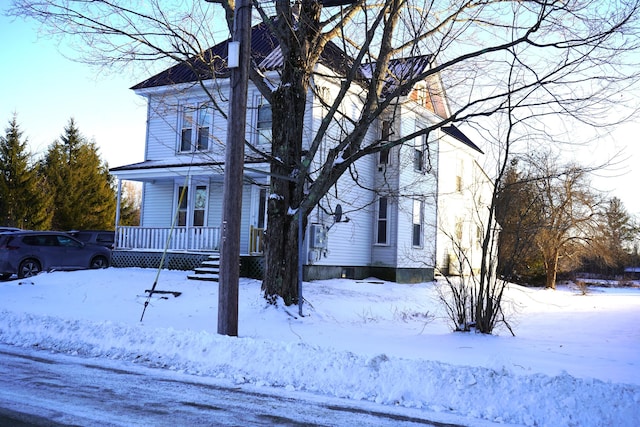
181 208
188 239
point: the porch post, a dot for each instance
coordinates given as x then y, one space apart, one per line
189 220
118 196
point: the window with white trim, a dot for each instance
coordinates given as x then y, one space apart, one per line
196 128
459 172
418 154
383 156
262 209
417 221
263 122
382 228
385 133
199 205
195 209
458 231
183 197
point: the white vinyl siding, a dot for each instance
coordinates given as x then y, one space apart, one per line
161 129
166 126
349 242
215 204
158 204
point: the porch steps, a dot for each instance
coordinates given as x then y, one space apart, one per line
209 270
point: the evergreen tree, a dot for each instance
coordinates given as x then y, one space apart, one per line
82 187
612 248
130 204
24 200
518 210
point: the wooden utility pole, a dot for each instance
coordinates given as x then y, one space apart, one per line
233 172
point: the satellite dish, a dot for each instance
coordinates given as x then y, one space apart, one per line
338 213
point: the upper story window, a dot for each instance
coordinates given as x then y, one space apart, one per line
458 231
383 155
418 155
459 173
263 122
386 130
196 126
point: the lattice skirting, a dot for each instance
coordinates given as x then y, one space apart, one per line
250 266
173 260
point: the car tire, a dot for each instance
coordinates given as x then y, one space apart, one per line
29 267
99 262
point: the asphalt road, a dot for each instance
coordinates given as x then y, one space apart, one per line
39 388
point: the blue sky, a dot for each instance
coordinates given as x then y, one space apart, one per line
46 89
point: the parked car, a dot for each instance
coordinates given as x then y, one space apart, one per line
7 229
97 237
27 253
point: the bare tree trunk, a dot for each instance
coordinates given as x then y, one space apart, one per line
288 105
281 256
552 270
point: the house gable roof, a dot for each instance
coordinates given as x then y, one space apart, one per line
265 52
400 71
212 63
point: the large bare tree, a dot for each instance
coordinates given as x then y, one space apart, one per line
471 45
567 211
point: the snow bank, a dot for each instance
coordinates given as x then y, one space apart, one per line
499 392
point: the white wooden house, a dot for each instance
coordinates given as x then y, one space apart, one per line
390 227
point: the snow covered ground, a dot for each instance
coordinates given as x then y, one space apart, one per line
575 359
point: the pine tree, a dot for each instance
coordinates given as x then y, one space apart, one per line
130 204
518 210
25 201
83 191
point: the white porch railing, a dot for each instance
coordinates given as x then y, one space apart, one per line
155 238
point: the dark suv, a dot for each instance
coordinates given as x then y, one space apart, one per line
96 237
27 253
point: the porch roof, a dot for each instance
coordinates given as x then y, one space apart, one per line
169 169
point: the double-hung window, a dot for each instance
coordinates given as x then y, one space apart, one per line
197 123
263 122
382 229
192 209
418 219
383 158
459 179
418 154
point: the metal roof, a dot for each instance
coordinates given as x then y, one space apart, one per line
265 51
213 62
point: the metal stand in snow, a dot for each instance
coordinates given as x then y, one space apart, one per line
164 254
152 291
